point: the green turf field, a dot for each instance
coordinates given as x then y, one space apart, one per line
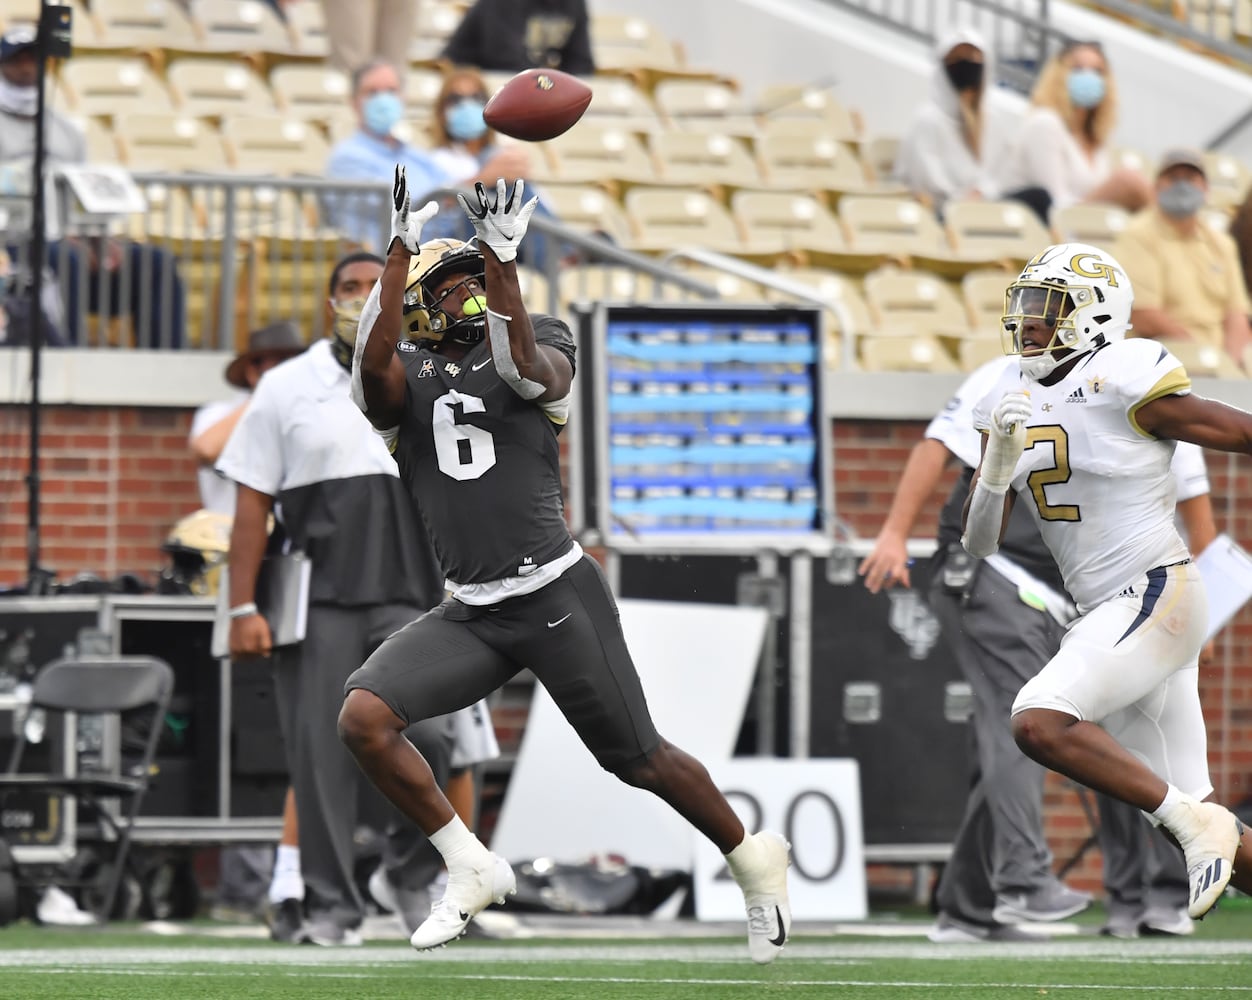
122 963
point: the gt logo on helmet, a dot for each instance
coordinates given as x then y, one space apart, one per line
1097 269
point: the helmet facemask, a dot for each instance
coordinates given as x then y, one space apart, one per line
1063 309
426 318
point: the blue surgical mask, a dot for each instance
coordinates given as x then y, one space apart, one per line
464 120
382 112
1086 87
1181 199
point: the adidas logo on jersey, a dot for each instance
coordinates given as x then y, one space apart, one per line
1077 396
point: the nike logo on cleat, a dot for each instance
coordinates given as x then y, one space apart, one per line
781 939
558 621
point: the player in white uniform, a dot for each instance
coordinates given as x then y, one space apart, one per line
1084 433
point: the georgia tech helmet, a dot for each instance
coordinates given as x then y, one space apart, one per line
1080 291
424 316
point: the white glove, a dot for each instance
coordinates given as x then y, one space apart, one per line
1006 441
406 226
500 222
1009 417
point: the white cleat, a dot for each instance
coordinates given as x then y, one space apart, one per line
469 892
1209 835
765 896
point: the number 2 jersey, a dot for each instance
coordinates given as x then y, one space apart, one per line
483 464
1099 486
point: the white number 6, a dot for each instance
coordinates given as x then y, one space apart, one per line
463 450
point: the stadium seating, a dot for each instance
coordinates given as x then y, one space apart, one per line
240 26
592 154
216 88
274 145
149 26
912 353
1202 360
815 107
589 208
1000 230
704 159
618 102
665 219
169 142
704 105
983 294
908 302
798 224
1088 222
797 157
310 92
104 86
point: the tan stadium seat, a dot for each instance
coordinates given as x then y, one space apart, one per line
1090 222
436 21
421 90
275 145
878 153
626 42
816 107
704 105
588 208
591 154
240 26
995 230
908 302
168 142
891 225
1202 360
618 102
311 92
665 219
594 283
796 157
1229 179
307 28
101 146
730 287
974 352
704 159
535 290
104 86
216 88
914 353
141 25
799 224
983 293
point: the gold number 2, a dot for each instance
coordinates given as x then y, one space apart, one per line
1057 472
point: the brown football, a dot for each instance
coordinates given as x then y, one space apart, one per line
537 104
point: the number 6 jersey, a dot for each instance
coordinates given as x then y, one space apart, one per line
1099 486
482 464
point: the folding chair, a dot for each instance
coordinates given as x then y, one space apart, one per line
99 686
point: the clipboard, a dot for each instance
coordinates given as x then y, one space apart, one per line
1227 573
282 597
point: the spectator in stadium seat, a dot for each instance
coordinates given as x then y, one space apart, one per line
1189 284
464 147
372 152
513 35
1062 144
947 151
1003 617
123 277
1241 233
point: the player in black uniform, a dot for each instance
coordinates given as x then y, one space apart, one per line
472 410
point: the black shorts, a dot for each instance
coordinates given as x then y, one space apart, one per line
568 635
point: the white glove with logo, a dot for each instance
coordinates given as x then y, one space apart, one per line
500 222
1006 442
406 226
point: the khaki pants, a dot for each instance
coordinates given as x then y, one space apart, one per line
360 30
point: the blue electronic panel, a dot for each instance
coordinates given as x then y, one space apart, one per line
712 419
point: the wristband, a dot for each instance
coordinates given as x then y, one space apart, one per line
244 610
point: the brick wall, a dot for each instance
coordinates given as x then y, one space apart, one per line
115 479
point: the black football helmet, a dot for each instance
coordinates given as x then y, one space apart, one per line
427 323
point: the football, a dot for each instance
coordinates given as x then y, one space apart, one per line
537 104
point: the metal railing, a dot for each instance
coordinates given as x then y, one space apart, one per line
214 256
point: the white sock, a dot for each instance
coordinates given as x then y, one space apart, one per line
744 857
1172 797
457 844
286 882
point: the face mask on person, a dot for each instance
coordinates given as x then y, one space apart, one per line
347 317
1181 199
964 74
382 112
1086 87
464 120
18 100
